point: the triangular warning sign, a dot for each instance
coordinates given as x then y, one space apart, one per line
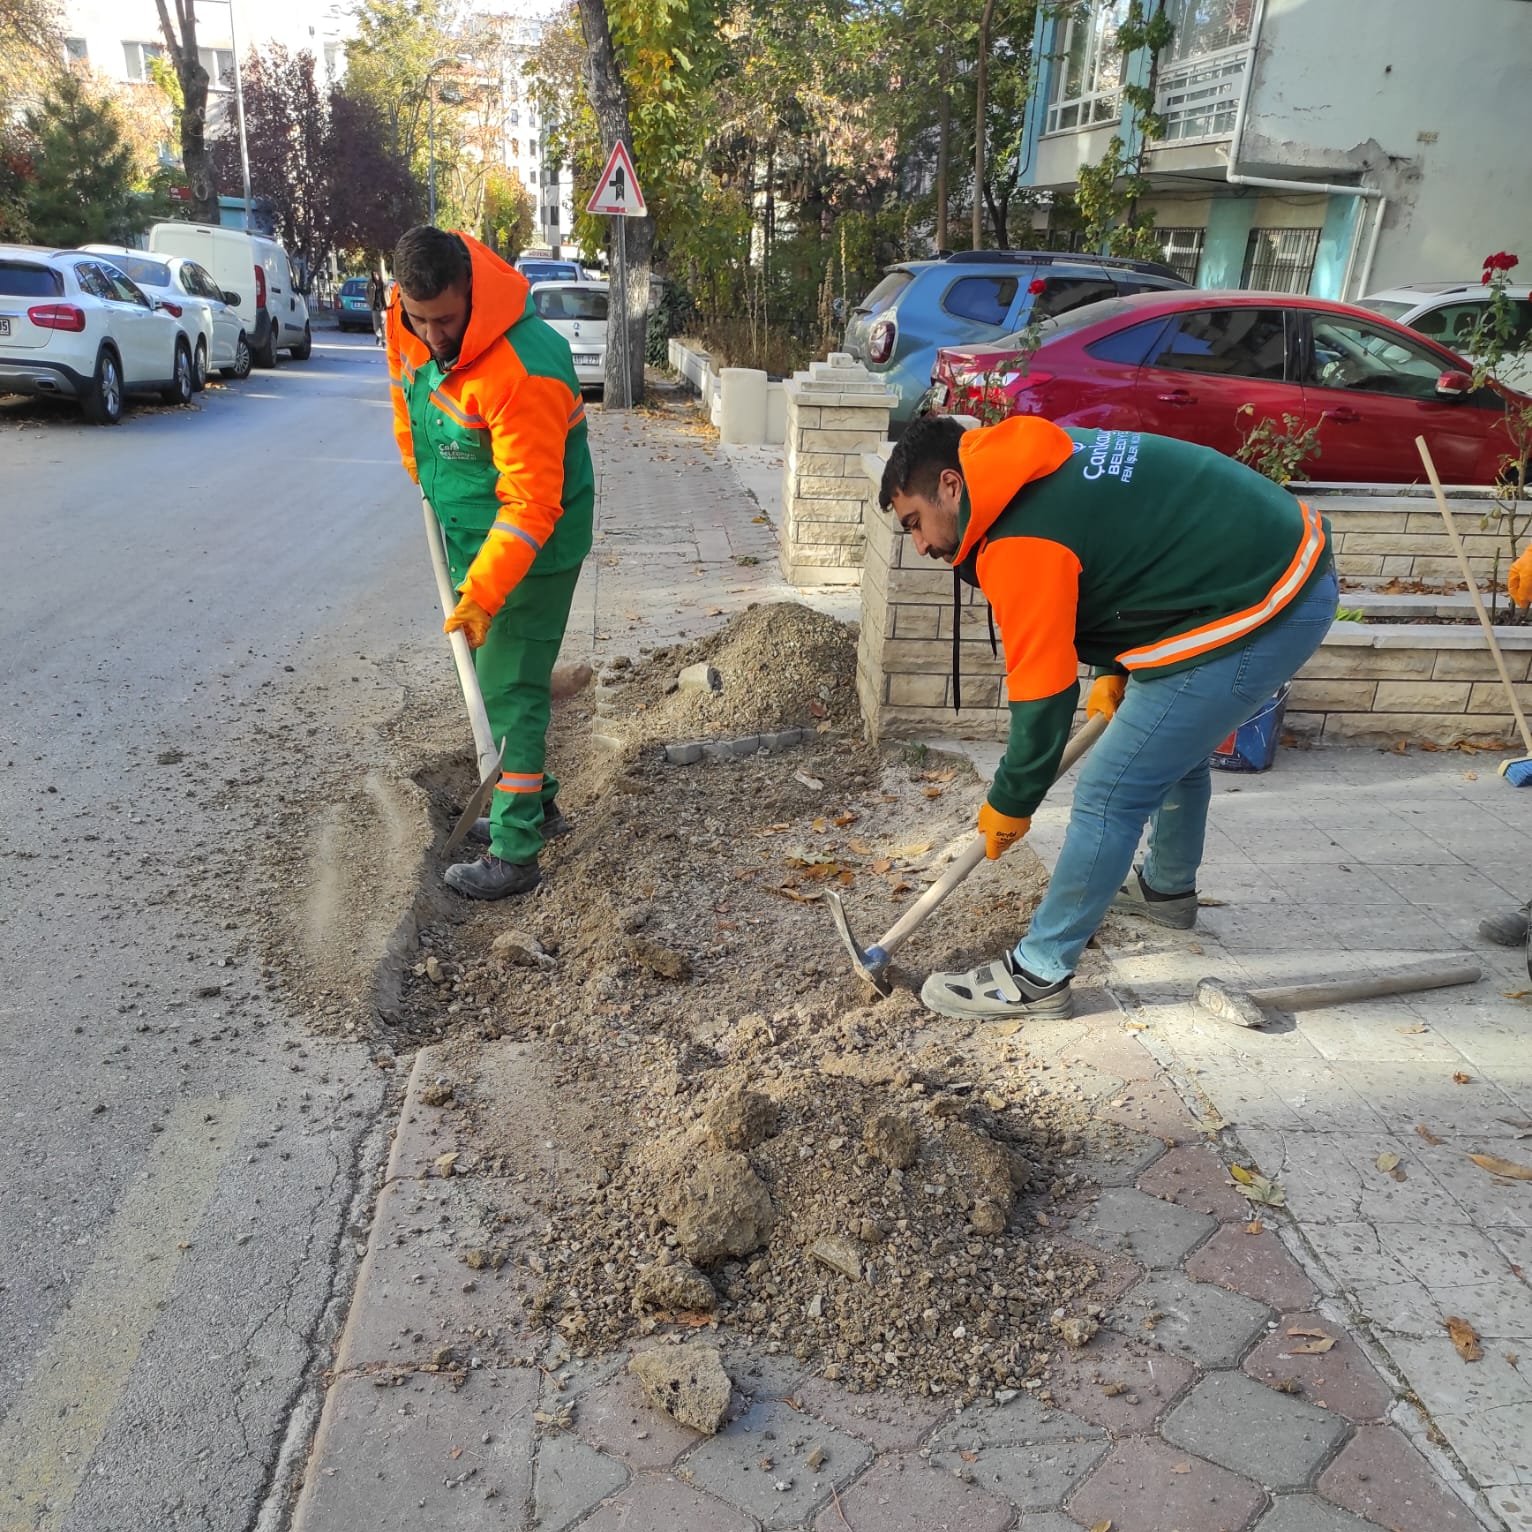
617 192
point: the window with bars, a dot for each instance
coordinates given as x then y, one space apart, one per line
1087 81
1280 260
1183 251
1202 69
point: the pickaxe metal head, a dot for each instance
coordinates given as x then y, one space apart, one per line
870 963
1231 1005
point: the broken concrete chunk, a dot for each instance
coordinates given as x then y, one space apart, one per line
1076 1330
660 959
839 1254
435 1092
521 949
700 678
687 1382
722 1208
567 680
988 1217
678 1285
892 1139
739 1119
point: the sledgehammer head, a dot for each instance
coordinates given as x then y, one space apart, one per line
1231 1005
871 964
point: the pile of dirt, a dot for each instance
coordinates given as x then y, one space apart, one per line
690 1110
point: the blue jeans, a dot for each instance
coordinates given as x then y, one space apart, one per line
1152 764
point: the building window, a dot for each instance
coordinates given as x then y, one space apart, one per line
1087 78
219 63
1183 251
1280 260
551 215
532 148
1202 70
75 51
515 117
136 56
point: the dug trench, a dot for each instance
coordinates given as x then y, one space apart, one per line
679 1109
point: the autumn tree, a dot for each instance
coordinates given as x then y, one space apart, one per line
80 186
373 195
196 157
506 212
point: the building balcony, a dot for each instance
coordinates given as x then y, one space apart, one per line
1199 97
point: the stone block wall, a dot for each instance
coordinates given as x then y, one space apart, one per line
1401 535
836 411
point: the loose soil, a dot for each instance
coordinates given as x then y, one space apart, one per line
688 1075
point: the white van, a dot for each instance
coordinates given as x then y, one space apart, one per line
257 279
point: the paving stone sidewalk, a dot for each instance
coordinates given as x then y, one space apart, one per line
1195 1409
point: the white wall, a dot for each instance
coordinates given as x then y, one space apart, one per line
1428 98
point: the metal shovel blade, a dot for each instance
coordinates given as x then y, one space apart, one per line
478 801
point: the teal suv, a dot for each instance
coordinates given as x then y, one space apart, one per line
977 295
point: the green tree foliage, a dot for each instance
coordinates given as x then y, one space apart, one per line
505 219
80 185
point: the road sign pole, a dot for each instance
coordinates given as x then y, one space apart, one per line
618 195
627 333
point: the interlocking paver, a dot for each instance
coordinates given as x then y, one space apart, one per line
1380 1475
1036 1477
1146 1486
1115 1052
1155 1233
655 1503
762 1374
1253 1264
888 1421
1242 1425
1013 1423
1119 1161
1308 1513
570 1479
787 1491
902 1493
1153 1108
1203 1323
1117 1383
1194 1177
1340 1379
616 1418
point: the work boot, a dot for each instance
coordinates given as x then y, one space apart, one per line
993 991
491 878
1508 928
554 825
1135 897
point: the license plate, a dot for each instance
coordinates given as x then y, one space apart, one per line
586 358
5 327
939 394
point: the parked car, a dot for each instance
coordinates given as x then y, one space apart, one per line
1447 312
189 294
976 295
577 310
267 292
544 268
1183 364
72 326
353 311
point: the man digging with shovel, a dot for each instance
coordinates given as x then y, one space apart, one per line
491 424
1194 585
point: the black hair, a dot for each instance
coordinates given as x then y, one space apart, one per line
927 449
428 260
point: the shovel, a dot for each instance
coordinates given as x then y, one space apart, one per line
468 678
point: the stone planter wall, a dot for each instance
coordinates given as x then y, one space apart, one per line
836 411
1399 534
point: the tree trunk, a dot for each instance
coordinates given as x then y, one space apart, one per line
196 158
943 147
980 107
609 101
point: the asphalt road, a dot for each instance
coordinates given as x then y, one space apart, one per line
177 1229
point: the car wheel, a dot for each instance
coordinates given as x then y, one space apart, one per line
199 367
266 356
305 348
180 389
101 403
241 367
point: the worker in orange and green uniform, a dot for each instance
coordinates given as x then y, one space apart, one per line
1196 588
491 424
1508 928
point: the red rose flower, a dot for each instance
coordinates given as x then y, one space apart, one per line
1037 286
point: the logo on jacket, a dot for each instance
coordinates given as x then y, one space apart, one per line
457 451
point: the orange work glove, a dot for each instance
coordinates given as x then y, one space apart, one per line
1518 580
1000 831
472 619
1105 696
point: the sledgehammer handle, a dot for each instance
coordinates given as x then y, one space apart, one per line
970 857
1408 981
462 655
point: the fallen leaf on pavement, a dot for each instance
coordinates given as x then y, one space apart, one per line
1517 994
1426 1133
1414 1031
1316 1347
1254 1226
1102 1526
842 820
882 864
1258 1188
858 848
1180 1468
917 848
1387 1161
795 896
933 792
1498 1167
1461 1079
817 709
1464 1337
1311 1334
969 1457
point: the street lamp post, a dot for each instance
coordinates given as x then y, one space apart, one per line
239 107
431 68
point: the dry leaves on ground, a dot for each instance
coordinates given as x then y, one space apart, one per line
1462 1079
1258 1188
1498 1167
1312 1342
1426 1133
1464 1337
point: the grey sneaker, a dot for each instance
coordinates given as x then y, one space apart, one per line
554 825
1507 929
490 878
996 990
1133 898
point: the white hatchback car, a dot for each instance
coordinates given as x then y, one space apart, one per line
72 326
577 310
187 292
1448 311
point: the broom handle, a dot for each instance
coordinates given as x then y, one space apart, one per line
1473 591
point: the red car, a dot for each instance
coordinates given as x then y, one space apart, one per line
1183 363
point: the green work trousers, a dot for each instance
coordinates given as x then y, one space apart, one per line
515 666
